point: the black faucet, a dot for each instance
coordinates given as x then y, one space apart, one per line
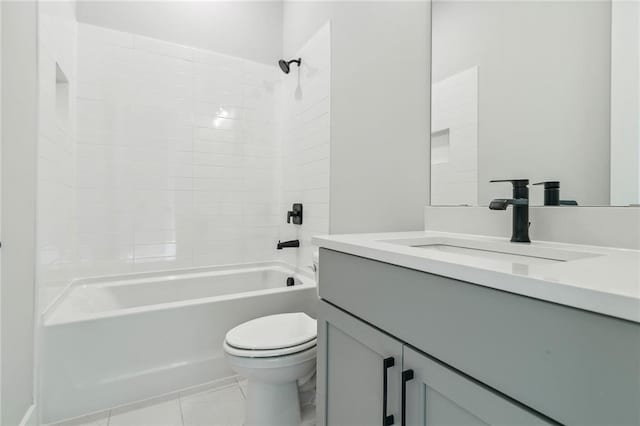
520 203
552 194
292 243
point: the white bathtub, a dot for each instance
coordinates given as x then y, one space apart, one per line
116 340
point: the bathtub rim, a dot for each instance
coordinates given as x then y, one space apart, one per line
46 316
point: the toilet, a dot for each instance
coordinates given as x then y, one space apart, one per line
273 353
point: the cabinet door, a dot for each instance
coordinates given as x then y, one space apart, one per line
438 396
352 370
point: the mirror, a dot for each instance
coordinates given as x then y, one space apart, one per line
541 90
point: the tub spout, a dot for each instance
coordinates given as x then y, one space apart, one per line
292 243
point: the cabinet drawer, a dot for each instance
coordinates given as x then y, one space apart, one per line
573 366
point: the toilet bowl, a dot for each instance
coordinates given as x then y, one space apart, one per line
273 353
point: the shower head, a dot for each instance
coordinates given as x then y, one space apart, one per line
285 66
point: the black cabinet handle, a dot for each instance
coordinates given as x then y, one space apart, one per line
386 364
406 376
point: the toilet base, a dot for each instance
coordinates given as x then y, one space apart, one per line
272 404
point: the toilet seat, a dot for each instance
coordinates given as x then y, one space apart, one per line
268 353
272 336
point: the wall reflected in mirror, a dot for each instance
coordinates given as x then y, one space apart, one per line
547 91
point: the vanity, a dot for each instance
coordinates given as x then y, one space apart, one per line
437 328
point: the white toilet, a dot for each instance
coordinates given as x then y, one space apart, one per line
273 353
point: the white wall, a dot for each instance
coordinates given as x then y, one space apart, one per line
625 103
379 108
248 29
19 144
177 155
56 209
544 71
305 137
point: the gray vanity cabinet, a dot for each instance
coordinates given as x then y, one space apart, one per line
351 382
436 395
564 364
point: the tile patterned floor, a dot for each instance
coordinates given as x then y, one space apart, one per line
219 405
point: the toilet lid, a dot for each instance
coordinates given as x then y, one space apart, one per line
273 332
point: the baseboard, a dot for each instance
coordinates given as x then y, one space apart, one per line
29 418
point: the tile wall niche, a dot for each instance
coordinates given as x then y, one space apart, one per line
180 159
454 161
56 213
305 146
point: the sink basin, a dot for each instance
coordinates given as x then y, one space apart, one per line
487 254
494 249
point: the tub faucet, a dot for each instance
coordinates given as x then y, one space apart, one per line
286 244
520 203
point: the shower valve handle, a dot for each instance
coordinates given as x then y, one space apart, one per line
296 214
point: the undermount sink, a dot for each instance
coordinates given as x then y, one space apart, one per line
488 254
494 250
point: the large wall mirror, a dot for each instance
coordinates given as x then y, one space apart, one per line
543 90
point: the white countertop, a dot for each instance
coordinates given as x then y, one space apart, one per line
606 281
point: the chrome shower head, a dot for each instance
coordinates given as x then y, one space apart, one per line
285 66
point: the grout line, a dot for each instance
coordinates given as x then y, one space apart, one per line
244 396
140 405
181 412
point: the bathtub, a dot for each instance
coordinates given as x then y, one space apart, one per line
115 340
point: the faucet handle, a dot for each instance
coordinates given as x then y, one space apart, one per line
520 187
549 184
295 213
515 182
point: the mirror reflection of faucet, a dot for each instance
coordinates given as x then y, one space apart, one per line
552 194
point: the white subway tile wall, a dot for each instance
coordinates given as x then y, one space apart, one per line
177 155
165 156
305 129
56 212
